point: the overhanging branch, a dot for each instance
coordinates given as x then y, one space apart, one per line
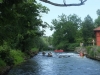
64 5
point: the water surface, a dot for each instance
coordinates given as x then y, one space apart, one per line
43 65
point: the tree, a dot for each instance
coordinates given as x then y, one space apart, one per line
87 29
97 21
65 30
64 1
98 12
20 23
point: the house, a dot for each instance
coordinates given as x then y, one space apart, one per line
97 33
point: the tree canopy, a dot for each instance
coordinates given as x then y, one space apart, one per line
87 29
65 29
70 31
20 23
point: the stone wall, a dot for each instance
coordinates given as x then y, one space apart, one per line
80 49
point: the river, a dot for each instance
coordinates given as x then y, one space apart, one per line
43 65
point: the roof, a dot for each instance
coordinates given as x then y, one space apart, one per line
97 29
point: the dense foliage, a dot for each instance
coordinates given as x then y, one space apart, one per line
66 28
20 23
70 31
21 34
87 30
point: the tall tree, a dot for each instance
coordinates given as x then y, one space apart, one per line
98 12
65 30
97 21
87 29
19 23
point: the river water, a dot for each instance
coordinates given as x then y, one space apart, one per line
68 64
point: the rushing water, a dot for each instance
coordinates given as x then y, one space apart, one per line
43 65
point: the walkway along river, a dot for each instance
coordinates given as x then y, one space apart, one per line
43 65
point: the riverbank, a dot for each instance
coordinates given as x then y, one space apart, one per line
92 52
94 58
5 69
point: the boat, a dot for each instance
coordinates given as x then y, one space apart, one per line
43 53
58 50
49 54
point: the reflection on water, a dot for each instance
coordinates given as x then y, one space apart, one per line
43 65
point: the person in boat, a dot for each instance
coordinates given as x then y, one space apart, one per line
49 54
81 53
43 53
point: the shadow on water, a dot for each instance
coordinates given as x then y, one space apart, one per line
43 65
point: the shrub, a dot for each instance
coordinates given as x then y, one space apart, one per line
17 56
2 63
72 46
4 54
34 49
10 57
88 49
4 51
98 50
92 53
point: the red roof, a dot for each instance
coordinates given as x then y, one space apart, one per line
97 29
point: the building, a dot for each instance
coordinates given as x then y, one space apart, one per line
97 33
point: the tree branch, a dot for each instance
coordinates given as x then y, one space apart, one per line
64 5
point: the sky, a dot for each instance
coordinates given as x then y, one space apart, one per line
89 8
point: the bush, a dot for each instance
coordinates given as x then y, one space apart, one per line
4 51
10 57
92 53
34 49
17 56
4 54
88 49
2 63
98 50
72 46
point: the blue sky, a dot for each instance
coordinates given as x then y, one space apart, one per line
89 8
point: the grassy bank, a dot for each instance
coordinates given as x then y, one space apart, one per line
11 57
93 52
